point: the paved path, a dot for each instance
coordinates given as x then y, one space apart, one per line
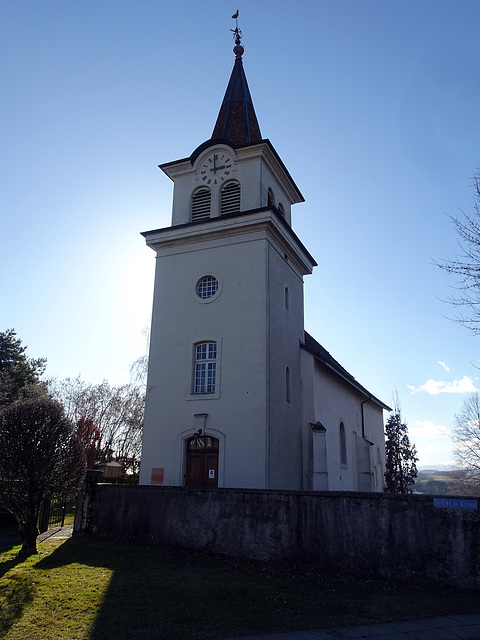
448 628
59 533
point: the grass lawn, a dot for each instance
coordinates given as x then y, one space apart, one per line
83 589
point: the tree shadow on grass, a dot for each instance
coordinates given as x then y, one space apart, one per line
16 592
6 565
177 594
9 538
151 593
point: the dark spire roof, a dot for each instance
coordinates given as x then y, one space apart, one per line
237 121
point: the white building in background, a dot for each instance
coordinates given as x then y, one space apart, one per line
238 394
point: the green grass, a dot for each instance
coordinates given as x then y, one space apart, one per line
69 515
83 589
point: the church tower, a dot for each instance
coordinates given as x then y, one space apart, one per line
224 397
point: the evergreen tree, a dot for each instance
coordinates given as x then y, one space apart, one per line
401 456
17 371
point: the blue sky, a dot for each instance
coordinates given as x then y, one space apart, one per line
372 105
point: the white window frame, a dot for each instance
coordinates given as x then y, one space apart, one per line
205 371
213 274
191 394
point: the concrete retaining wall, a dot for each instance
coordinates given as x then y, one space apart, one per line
399 537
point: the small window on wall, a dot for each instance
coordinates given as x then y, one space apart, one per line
206 287
271 198
205 367
343 445
201 202
379 470
230 198
287 299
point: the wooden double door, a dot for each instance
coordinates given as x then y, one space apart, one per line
202 462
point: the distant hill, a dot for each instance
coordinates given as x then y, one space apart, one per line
435 467
446 482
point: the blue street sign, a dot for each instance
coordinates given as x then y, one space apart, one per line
453 503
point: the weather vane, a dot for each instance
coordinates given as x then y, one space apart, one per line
237 34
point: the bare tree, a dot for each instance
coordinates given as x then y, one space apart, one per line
466 445
117 413
467 265
89 434
41 454
139 369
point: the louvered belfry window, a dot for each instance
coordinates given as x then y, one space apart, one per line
201 201
230 198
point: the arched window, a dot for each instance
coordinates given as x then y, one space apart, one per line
379 470
201 201
287 299
205 367
343 445
230 198
287 384
281 209
271 198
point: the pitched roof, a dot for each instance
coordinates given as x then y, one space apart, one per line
321 354
236 120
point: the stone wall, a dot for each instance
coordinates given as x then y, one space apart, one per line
378 535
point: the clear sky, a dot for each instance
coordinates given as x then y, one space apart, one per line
372 105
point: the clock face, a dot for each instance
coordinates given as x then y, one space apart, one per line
216 168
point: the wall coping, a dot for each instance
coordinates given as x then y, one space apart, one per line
410 497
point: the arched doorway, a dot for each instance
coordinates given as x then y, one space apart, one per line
202 462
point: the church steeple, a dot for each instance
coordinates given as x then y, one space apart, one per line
236 120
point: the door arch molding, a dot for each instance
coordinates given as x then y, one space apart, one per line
182 439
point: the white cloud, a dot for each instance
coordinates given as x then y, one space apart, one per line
433 447
434 387
427 429
444 365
